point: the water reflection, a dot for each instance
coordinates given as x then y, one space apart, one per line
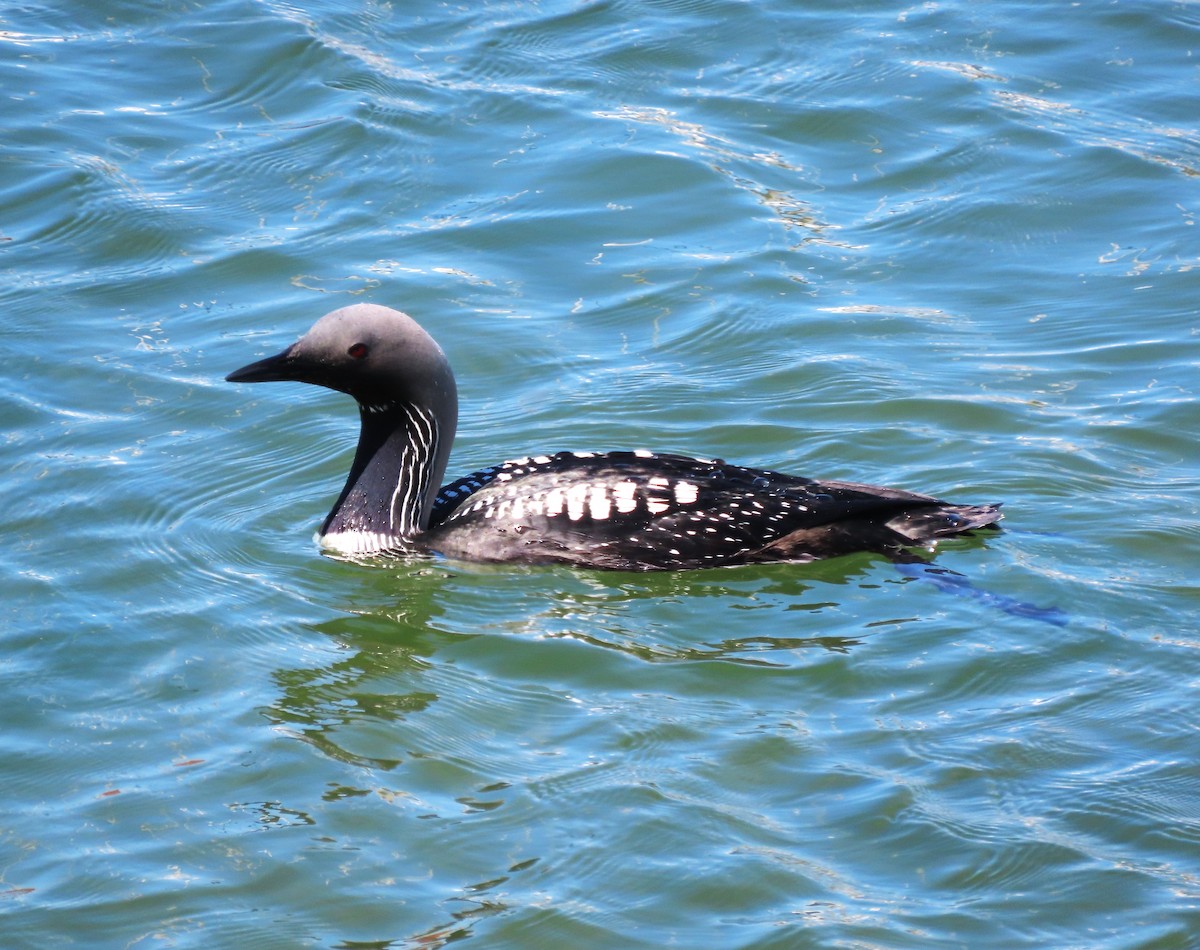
410 639
273 814
379 683
403 612
465 704
653 616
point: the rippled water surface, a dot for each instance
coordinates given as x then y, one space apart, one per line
946 246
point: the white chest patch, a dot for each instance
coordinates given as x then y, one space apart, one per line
357 542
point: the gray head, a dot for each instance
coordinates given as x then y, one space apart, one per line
409 403
377 355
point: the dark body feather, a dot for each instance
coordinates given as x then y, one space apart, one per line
640 511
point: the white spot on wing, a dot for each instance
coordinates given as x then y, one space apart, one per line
686 493
625 496
599 505
576 498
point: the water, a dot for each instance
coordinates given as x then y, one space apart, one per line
950 247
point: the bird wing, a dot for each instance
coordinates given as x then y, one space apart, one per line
637 509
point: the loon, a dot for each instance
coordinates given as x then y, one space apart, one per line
631 510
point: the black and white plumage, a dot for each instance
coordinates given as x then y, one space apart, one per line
621 510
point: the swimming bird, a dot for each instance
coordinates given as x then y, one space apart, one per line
631 510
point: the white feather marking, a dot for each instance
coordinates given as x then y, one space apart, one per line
625 496
599 504
408 497
686 493
657 506
643 454
576 498
357 542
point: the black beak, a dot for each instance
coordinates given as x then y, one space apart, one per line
277 368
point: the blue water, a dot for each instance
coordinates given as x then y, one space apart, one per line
950 247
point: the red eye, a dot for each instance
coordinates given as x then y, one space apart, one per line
358 351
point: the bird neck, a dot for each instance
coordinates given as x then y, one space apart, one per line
397 468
